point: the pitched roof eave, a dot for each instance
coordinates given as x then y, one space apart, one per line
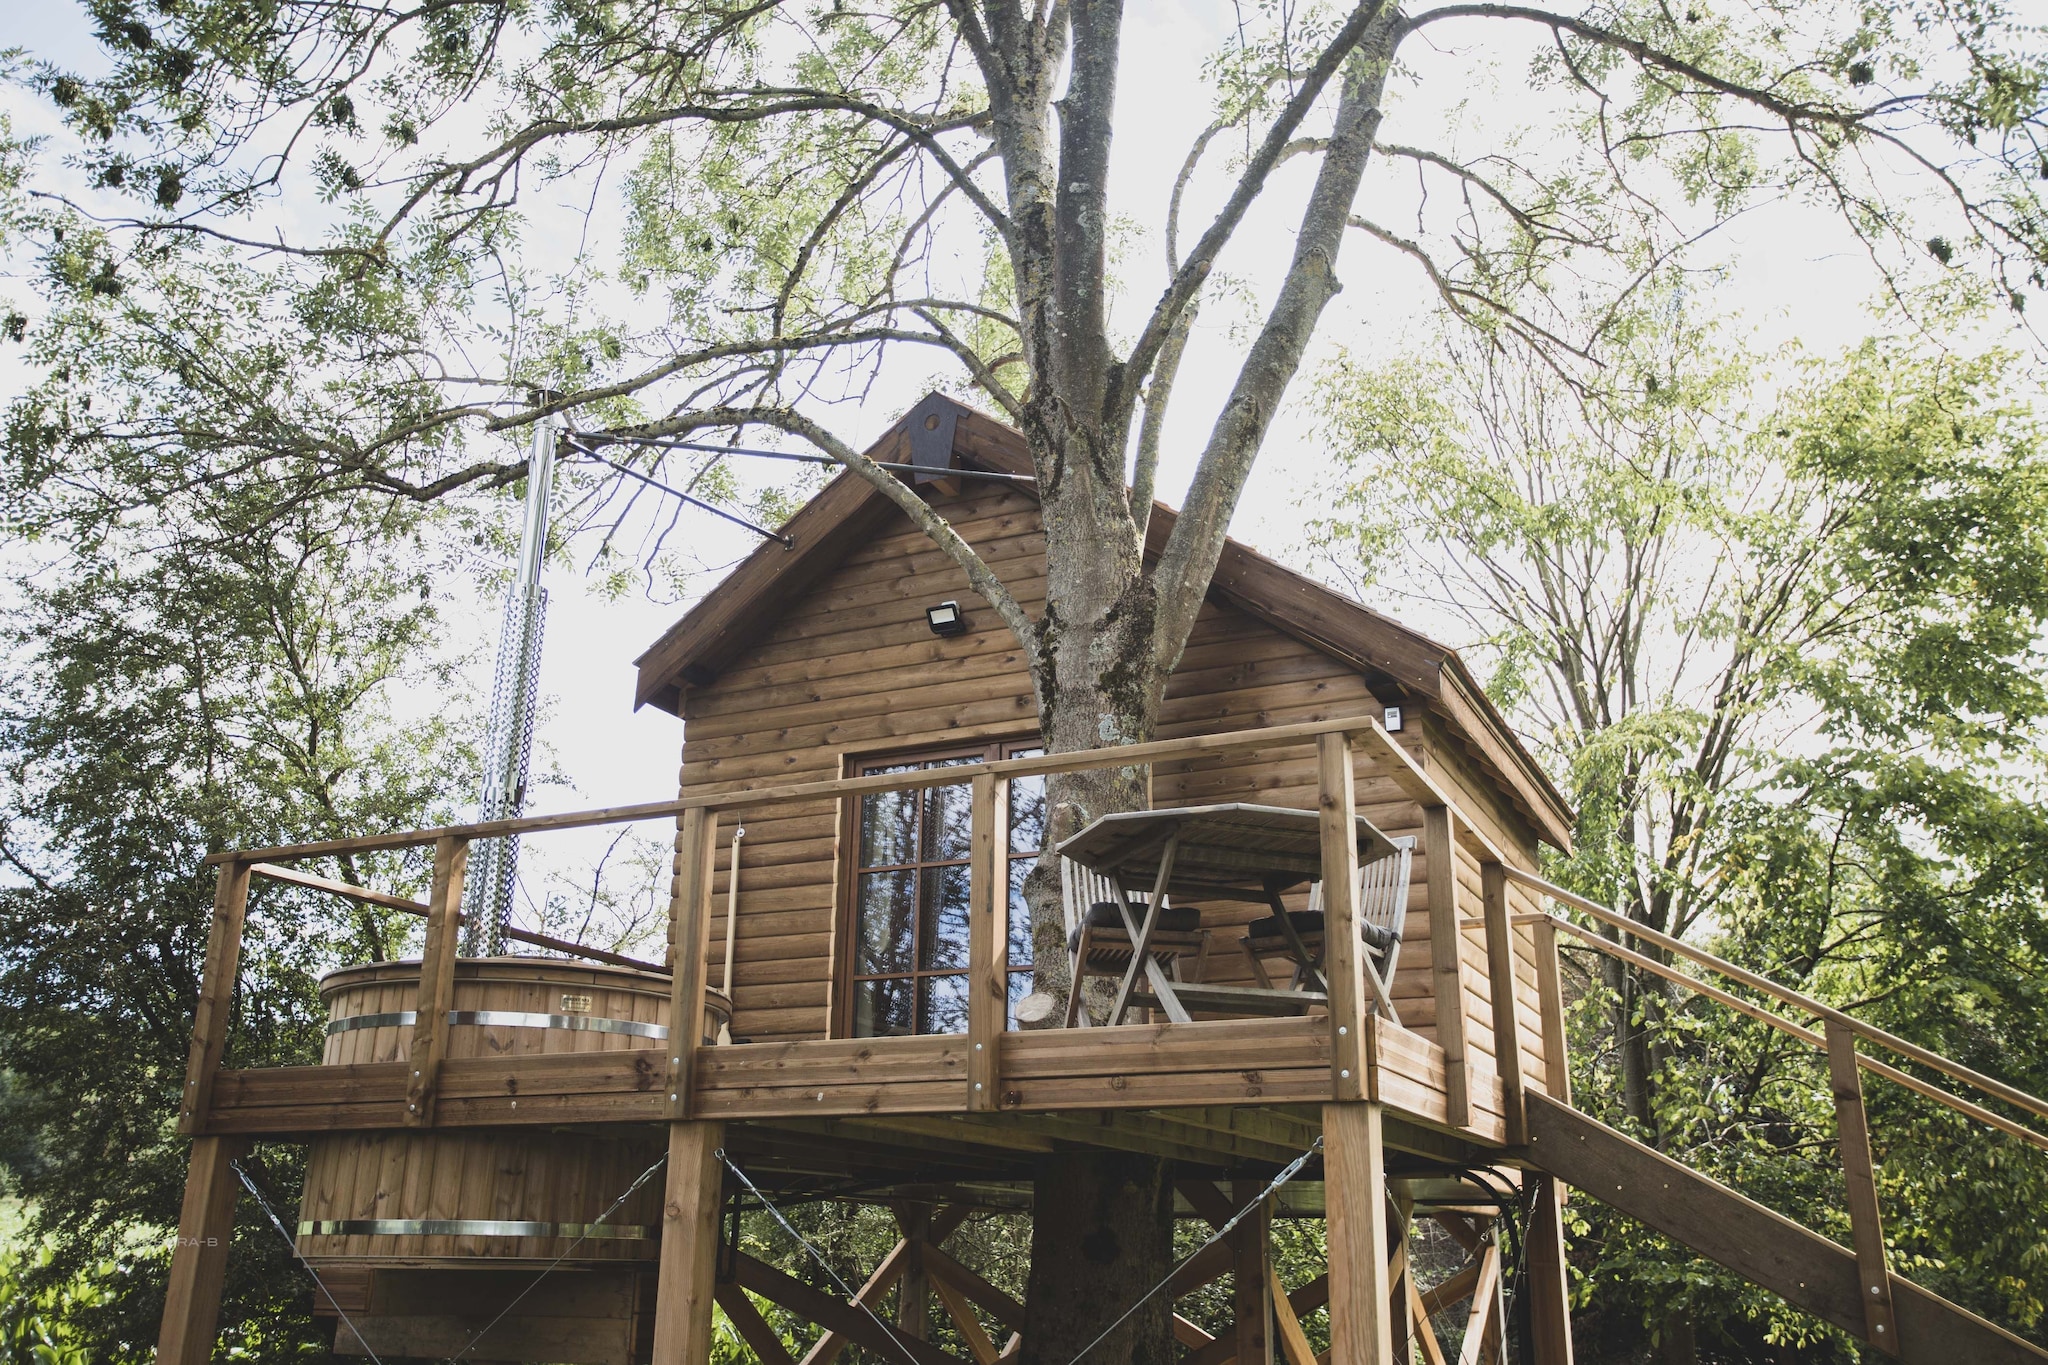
848 509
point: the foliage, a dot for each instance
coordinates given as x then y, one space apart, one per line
294 276
1779 630
176 690
37 1320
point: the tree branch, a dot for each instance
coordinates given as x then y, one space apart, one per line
1189 559
982 578
1122 394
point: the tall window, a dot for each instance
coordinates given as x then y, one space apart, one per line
909 894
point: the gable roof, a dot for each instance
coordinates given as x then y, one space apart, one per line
1395 660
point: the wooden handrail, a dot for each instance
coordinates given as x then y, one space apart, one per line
292 876
1155 751
1777 1021
1799 1031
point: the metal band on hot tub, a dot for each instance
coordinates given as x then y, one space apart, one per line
468 1227
575 1023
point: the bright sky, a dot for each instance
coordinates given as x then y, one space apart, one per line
1796 277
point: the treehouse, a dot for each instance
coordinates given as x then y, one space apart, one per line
1325 952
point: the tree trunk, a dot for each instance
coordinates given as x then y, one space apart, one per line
1102 1226
1102 1230
1101 1236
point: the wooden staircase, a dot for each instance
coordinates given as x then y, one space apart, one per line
1807 1270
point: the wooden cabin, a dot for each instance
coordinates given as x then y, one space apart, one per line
470 1185
817 662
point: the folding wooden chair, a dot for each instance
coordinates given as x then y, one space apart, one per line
1382 909
1099 939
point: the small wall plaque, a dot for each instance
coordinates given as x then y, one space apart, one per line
575 1004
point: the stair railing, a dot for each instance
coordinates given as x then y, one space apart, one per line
1837 1039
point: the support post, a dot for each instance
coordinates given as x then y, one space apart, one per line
437 980
1550 1305
689 939
1447 957
1866 1224
913 1291
216 996
1500 976
988 939
1557 1075
1343 951
689 1244
199 1261
1355 1200
1251 1296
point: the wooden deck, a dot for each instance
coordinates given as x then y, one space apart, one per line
1253 1062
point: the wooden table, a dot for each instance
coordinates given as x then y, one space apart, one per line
1238 852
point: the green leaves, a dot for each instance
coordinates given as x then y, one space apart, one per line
1781 636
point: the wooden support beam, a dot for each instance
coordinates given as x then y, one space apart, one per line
752 1327
1456 1289
988 938
873 1290
1207 1200
1300 1302
1401 1274
199 1261
1189 1335
1866 1222
1482 1321
688 1274
216 996
1293 1341
1355 1181
1447 957
1252 1266
836 1315
1453 1290
1500 977
437 982
1344 951
969 1326
947 1221
1425 1331
1549 1287
689 951
1557 1074
913 1290
979 1292
1206 1266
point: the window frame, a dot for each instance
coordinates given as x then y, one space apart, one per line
846 882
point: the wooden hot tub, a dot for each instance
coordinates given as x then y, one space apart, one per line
491 1197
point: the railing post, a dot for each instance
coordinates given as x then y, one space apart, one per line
689 937
216 995
1866 1226
1550 1313
437 980
1500 975
1343 953
1447 957
988 939
1557 1076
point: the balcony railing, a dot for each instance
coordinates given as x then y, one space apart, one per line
1339 1054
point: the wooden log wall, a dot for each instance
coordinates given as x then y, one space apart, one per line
853 670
